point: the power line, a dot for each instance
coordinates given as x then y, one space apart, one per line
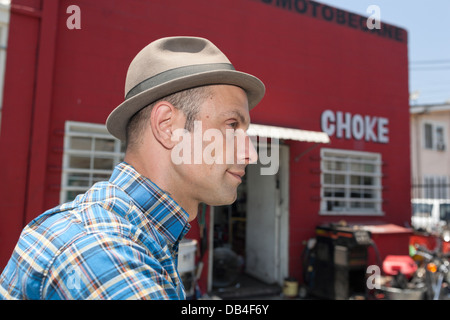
432 84
430 62
421 90
430 68
434 95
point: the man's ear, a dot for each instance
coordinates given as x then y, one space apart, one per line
163 123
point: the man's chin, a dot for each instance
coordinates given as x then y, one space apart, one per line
223 201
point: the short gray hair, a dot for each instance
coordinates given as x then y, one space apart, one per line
188 101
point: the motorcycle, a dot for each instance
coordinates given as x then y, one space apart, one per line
424 275
434 268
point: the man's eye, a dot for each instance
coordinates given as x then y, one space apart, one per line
233 125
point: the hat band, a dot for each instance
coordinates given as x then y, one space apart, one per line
176 73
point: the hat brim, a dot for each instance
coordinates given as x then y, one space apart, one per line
118 119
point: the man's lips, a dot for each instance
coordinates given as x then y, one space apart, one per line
237 174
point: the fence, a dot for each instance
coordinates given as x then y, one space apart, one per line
431 189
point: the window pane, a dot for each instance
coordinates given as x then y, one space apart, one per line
422 209
104 145
103 164
428 136
334 192
355 180
368 181
355 167
335 205
369 194
355 193
335 165
362 205
70 195
78 162
356 204
78 179
339 179
80 143
362 193
362 167
330 178
369 168
444 211
100 177
340 166
440 138
369 205
362 180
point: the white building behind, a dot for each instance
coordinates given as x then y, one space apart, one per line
430 151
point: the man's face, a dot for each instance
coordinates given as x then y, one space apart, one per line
220 136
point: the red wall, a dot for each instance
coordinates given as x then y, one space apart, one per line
308 64
17 122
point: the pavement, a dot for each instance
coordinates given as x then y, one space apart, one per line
248 288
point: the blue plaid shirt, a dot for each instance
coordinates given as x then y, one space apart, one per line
119 240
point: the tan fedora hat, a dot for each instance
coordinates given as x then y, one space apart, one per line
173 64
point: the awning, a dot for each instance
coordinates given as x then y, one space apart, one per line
287 133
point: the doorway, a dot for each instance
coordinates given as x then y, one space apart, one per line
249 243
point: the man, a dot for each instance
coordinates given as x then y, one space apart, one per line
120 239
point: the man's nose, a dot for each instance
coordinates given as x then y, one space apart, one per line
246 151
252 154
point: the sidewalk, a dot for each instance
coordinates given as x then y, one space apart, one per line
249 288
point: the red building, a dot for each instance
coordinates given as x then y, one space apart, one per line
324 69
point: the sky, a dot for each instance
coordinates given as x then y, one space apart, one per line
428 26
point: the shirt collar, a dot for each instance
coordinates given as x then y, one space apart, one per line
169 218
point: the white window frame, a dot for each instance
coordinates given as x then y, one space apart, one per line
348 157
86 130
435 144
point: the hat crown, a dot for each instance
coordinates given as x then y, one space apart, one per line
171 53
174 64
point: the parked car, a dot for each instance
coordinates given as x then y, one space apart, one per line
430 214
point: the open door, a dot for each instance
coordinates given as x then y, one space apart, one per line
267 222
